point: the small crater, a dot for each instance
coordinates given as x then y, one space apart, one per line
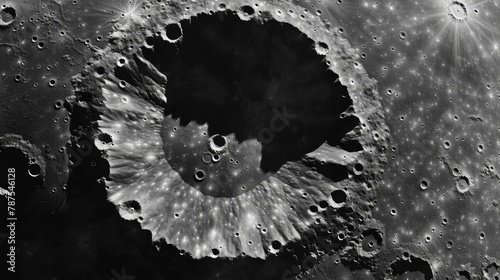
424 185
248 10
393 212
132 205
8 15
276 245
34 170
174 32
121 62
462 184
199 175
100 70
482 235
323 204
457 11
340 236
446 145
358 168
372 241
58 104
339 196
322 48
215 158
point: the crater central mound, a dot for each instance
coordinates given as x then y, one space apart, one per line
258 86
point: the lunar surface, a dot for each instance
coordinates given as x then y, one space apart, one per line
249 139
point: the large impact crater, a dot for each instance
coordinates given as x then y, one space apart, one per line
231 131
244 98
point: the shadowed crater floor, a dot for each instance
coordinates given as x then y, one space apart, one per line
244 98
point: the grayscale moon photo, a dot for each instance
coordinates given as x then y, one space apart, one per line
250 139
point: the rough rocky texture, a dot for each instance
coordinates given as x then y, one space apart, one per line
279 107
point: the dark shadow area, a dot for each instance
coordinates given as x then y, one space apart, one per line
88 239
339 196
23 184
8 14
351 145
401 267
17 207
122 74
258 80
372 240
342 127
332 171
464 275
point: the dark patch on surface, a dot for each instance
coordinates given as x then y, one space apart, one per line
174 31
8 15
132 205
248 10
339 196
413 264
351 145
123 74
464 274
252 87
24 184
372 240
